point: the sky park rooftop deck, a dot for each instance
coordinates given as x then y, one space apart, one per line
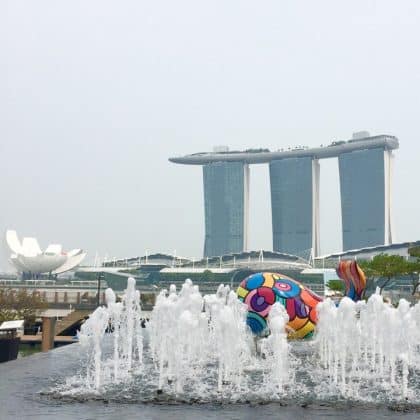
253 156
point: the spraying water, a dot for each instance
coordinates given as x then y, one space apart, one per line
200 348
124 320
369 345
194 342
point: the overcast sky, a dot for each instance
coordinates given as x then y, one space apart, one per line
96 95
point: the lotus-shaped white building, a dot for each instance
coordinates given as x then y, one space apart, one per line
27 256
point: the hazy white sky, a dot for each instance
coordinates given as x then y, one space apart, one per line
96 95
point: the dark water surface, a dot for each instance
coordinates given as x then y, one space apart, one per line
26 383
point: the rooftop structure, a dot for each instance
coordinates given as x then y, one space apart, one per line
365 165
208 272
367 253
150 260
261 259
253 156
255 260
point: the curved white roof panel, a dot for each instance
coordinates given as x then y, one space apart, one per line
13 241
28 256
74 252
42 263
70 263
54 249
30 247
17 264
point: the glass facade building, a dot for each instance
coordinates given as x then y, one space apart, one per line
226 187
365 165
365 201
292 204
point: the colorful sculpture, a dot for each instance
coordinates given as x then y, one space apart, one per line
261 290
354 279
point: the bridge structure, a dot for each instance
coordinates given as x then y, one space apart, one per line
365 171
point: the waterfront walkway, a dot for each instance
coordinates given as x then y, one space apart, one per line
37 339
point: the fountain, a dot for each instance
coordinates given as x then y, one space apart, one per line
124 319
200 349
370 345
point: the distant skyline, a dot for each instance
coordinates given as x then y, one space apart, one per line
96 96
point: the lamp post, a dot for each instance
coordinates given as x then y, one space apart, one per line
98 295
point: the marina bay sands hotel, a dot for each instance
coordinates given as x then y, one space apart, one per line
365 167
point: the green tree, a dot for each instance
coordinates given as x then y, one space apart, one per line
413 268
207 276
20 305
382 268
413 271
414 251
336 285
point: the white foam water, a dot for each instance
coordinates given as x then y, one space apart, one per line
369 345
199 348
122 320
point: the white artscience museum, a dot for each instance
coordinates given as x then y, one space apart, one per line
28 257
